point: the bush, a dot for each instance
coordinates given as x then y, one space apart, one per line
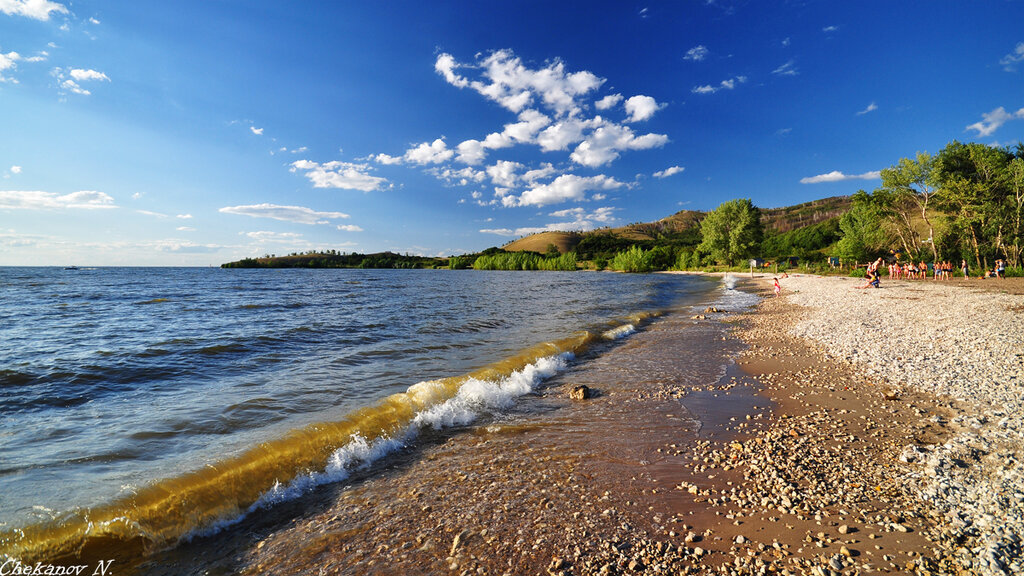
461 262
525 261
633 260
566 262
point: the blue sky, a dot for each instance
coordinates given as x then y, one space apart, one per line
198 132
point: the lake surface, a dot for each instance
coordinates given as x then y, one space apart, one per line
154 403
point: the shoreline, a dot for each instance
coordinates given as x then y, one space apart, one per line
803 466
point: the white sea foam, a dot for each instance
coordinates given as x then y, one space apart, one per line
475 397
478 396
620 332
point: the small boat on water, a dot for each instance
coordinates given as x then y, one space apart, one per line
71 267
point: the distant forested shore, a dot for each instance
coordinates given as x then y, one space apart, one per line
965 203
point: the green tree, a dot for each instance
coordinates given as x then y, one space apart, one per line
907 189
977 190
1015 181
863 235
732 231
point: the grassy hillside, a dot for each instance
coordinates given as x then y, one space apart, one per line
682 227
564 241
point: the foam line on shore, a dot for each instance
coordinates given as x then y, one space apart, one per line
219 495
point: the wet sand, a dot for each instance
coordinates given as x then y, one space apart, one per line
785 463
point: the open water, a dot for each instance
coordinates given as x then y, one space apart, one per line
140 406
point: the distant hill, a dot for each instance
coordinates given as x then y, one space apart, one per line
687 222
678 231
779 220
333 259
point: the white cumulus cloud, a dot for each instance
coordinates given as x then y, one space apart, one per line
82 75
297 214
8 62
604 144
513 85
35 9
566 187
642 108
434 152
671 171
607 102
344 175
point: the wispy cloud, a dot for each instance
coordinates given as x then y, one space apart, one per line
787 69
582 220
349 228
264 236
35 9
697 53
37 200
297 214
1011 60
344 175
830 29
871 108
991 121
671 171
728 84
837 176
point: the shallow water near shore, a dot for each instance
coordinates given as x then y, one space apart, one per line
142 406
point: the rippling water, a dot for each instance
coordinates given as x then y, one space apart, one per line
194 394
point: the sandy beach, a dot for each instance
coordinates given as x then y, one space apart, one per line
841 441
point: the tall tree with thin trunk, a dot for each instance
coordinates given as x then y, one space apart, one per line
912 183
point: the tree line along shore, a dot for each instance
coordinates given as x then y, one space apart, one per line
965 203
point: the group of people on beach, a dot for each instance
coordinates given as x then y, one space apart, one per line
919 271
911 271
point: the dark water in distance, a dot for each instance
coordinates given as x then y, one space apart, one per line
112 379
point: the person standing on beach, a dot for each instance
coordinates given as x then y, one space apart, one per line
963 268
1000 269
778 287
